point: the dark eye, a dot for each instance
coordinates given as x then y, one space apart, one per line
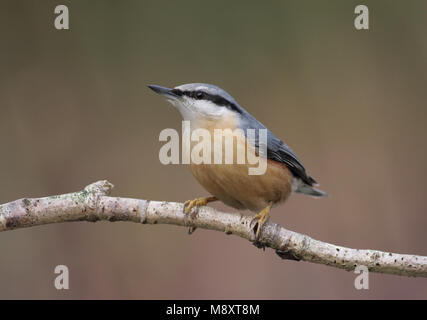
199 95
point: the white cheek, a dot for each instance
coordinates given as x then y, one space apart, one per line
173 102
200 109
185 107
209 109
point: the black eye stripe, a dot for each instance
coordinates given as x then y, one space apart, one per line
201 95
177 92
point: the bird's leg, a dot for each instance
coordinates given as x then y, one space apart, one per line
262 218
196 203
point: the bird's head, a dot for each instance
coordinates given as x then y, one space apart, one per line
200 101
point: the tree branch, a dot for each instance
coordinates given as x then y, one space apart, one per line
93 203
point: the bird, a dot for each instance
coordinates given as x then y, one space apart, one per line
206 106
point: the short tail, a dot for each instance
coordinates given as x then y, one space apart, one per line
304 188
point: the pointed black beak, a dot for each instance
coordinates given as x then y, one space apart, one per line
166 92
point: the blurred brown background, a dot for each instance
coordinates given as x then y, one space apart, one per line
74 108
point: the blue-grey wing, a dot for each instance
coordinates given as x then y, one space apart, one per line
276 150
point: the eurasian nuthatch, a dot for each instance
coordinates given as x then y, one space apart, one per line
209 107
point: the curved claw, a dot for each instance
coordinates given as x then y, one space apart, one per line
189 205
191 230
197 203
261 218
186 209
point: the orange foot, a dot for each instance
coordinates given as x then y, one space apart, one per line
197 203
262 218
